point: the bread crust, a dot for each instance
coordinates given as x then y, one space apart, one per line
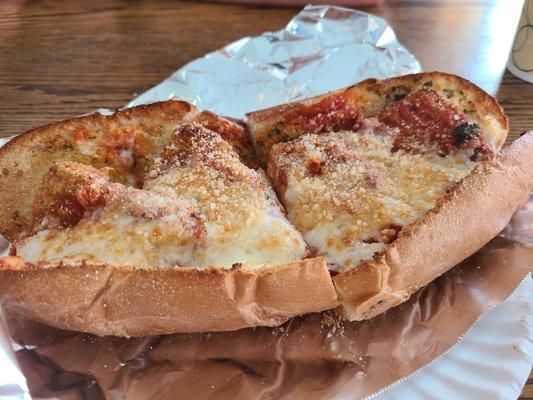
121 300
372 96
470 214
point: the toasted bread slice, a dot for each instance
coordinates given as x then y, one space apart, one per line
208 228
126 142
344 109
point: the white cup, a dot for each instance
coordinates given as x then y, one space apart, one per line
521 58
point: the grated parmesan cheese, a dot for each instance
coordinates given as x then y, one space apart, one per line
364 192
199 206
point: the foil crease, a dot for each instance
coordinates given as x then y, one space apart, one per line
322 48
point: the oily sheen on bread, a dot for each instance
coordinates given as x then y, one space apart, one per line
139 225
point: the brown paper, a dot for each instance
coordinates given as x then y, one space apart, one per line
312 357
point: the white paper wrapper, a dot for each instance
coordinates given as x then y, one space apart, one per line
493 360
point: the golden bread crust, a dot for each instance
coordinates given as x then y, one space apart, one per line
107 299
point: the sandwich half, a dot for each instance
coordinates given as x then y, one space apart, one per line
150 221
394 182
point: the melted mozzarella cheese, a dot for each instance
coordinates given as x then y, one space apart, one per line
214 212
268 242
123 232
350 193
124 240
242 217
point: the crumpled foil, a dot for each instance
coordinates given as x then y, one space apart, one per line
322 48
317 356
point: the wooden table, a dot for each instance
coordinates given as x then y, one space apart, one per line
60 59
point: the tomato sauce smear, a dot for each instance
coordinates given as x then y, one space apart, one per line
427 123
333 113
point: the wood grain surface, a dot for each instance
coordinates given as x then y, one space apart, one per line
61 59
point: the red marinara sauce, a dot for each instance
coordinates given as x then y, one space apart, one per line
427 123
333 113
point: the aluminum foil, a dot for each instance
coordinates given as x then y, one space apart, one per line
322 48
